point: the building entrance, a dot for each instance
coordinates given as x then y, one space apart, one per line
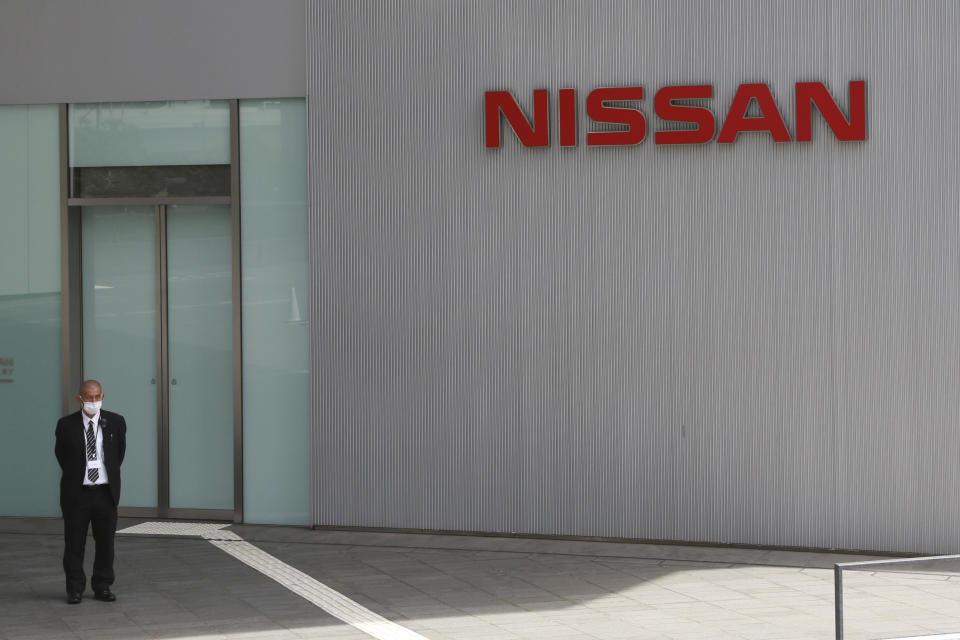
157 314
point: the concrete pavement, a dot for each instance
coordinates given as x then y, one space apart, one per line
462 587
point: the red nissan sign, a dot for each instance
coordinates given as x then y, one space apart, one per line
701 123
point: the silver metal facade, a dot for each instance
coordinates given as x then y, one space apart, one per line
749 343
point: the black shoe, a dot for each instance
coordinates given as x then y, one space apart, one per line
73 598
105 595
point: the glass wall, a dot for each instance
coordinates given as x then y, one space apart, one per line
161 150
276 346
29 309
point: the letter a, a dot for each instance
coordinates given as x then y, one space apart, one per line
738 121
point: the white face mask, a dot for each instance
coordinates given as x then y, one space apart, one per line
91 408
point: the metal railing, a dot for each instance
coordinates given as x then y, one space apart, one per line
839 568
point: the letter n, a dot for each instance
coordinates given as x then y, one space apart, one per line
853 129
536 135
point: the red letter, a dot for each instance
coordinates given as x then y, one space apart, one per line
567 99
855 129
497 102
636 129
700 116
737 121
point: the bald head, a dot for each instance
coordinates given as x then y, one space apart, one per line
90 397
90 386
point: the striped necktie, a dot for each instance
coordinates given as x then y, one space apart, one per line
92 474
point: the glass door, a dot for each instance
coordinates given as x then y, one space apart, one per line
120 325
158 333
200 347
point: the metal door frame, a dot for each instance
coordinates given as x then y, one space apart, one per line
72 319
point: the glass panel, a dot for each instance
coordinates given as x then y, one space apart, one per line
120 333
141 182
276 345
200 303
29 309
137 134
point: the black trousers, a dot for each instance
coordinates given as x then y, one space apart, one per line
93 506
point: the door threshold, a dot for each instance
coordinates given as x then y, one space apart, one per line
216 515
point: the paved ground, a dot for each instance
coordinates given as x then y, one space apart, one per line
457 587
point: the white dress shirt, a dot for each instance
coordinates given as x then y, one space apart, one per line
98 434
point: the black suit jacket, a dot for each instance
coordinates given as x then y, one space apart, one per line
71 453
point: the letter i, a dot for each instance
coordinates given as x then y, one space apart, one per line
567 112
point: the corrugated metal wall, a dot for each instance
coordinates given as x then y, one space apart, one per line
746 343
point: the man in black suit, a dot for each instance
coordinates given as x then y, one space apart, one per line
90 447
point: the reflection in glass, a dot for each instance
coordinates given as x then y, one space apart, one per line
120 333
137 134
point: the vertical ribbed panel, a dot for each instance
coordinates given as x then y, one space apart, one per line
746 343
897 243
315 169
